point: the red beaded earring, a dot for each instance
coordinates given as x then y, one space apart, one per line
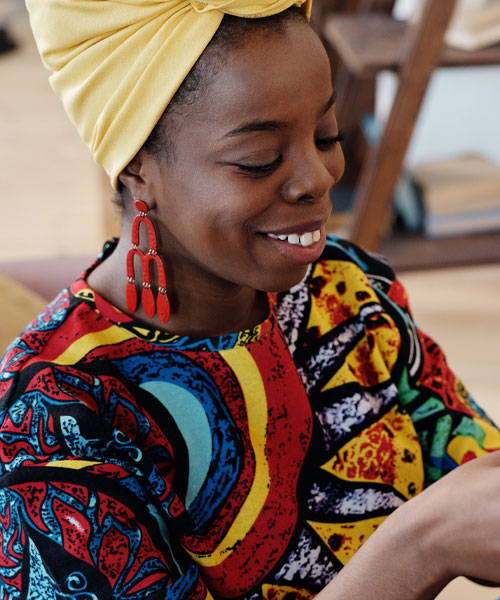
148 300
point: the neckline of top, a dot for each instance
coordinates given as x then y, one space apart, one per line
83 292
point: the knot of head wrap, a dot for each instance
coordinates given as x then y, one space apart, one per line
116 65
244 8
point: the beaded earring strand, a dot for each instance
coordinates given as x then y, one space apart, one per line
149 304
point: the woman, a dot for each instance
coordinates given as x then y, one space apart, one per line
238 425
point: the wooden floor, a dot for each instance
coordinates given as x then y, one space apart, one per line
53 204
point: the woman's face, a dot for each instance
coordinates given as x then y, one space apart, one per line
255 161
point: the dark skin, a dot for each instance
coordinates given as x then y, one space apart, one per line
214 204
213 208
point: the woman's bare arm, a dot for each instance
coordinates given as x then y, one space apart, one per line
451 529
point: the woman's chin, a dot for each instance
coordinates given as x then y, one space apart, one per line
285 283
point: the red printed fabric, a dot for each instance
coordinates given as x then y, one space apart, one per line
138 464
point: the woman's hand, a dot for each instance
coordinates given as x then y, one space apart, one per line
450 529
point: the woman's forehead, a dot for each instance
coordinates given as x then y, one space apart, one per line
270 72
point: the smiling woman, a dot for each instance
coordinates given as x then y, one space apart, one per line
242 421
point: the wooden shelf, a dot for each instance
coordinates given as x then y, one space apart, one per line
408 252
371 42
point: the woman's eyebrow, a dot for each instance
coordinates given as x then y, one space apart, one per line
272 125
255 126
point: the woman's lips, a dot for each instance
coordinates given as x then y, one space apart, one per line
293 248
305 239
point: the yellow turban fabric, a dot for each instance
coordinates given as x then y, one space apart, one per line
116 64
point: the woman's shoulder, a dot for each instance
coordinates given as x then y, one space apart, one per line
59 392
341 251
30 344
47 343
47 336
343 268
346 288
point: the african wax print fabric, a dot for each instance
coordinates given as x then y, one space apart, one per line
138 464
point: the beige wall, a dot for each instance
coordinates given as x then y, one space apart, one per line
48 180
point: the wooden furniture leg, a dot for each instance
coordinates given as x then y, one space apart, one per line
380 174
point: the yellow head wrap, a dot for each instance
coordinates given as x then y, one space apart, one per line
116 64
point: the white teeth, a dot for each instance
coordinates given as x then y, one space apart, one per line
305 240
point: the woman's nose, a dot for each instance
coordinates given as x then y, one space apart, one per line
310 179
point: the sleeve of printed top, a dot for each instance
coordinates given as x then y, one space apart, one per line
85 492
451 427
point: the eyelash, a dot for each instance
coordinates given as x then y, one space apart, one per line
261 169
324 145
328 143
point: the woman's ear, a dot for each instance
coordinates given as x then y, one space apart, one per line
137 178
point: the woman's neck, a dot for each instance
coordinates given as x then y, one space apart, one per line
200 307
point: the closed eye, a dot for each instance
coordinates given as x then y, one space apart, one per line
329 142
260 169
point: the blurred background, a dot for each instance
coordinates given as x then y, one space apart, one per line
418 86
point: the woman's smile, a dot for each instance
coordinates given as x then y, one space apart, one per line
298 248
305 239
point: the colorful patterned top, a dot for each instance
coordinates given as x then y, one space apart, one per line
137 464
